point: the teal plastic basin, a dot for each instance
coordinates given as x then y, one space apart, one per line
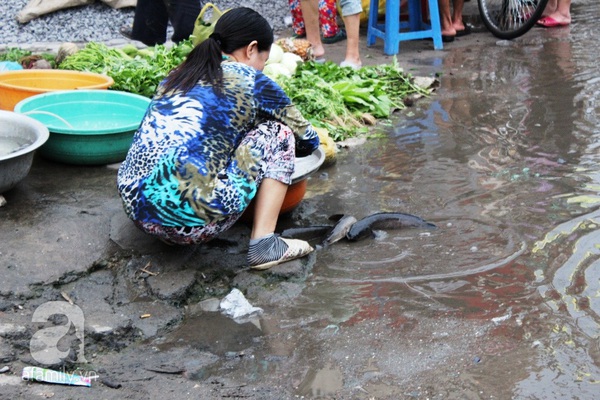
86 126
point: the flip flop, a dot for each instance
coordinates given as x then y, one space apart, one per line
350 65
464 32
445 38
549 22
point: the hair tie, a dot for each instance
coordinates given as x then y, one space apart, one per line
216 37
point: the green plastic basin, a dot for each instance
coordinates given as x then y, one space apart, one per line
88 127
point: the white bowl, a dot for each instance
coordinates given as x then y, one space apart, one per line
20 136
305 166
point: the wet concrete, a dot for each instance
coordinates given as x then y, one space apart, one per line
501 301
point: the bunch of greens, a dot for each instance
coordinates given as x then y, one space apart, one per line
14 54
344 100
133 70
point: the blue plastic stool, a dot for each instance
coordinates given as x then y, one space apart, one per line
394 30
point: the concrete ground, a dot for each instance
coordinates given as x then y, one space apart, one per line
64 237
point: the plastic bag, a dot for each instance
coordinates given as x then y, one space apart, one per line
35 8
10 66
204 27
120 3
235 305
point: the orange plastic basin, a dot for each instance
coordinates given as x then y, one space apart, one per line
292 199
18 85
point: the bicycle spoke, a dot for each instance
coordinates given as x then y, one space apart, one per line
510 18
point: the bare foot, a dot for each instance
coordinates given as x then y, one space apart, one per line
449 31
458 26
318 51
560 18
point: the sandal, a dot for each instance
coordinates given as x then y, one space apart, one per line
127 32
464 32
296 249
338 37
350 64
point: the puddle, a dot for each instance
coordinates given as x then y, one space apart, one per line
321 382
215 333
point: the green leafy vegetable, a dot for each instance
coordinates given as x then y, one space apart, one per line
341 99
14 54
135 71
24 57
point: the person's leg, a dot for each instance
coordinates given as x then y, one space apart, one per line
551 7
297 19
150 22
457 15
446 18
328 18
352 24
351 10
275 143
183 15
560 17
265 248
563 10
310 13
268 201
332 33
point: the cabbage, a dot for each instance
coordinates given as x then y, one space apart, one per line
290 61
275 54
274 70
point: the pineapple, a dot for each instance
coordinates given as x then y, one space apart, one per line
300 47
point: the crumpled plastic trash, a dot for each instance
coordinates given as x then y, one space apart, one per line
10 66
36 8
235 305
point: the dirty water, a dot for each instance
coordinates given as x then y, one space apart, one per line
502 300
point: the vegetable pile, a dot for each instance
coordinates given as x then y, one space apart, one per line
341 100
345 100
281 62
133 70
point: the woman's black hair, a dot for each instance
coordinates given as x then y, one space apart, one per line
236 28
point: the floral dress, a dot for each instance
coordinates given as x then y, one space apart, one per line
327 18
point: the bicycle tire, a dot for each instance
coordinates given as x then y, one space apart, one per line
509 19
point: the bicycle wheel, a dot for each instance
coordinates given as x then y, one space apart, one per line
508 19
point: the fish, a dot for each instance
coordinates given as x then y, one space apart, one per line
363 228
340 230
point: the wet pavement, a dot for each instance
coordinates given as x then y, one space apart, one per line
501 301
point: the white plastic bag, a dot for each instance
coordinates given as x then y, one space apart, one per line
36 8
236 306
